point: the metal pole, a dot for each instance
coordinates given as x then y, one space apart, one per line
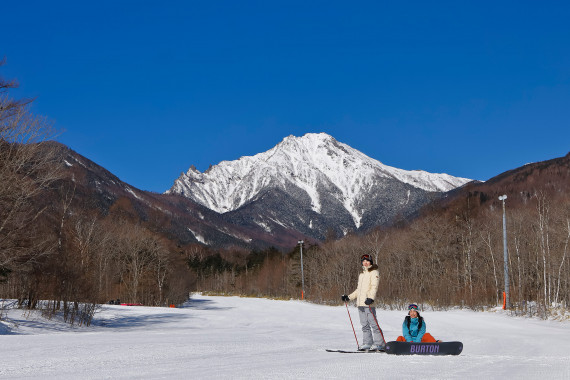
302 274
505 253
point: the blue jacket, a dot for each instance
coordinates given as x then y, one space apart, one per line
413 335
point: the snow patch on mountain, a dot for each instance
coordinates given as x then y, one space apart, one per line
132 193
263 225
198 237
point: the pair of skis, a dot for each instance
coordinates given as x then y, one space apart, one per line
355 352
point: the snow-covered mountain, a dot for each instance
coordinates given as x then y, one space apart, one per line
336 182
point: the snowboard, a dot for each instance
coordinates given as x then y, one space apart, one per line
411 348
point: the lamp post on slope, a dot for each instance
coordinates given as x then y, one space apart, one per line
505 255
302 274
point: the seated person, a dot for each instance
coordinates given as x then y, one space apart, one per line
414 328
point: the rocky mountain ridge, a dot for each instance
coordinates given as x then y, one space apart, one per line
276 217
328 183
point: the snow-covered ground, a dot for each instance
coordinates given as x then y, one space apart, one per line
231 337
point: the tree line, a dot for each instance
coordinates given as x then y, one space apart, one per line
441 259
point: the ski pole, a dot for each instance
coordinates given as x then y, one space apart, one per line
374 315
357 345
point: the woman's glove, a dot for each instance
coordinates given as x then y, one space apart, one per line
368 301
345 298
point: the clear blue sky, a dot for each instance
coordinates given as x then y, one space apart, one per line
148 88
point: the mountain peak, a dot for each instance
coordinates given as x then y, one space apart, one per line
315 167
308 142
311 136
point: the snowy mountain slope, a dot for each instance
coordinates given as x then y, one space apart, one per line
250 338
178 219
331 176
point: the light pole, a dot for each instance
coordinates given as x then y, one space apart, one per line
302 274
505 254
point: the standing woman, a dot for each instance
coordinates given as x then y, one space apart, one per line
364 295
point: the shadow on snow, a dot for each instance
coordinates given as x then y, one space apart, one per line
202 305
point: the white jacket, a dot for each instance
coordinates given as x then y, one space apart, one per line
367 285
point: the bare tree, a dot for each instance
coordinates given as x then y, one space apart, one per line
542 230
8 106
29 163
93 243
139 253
375 241
488 240
161 269
565 252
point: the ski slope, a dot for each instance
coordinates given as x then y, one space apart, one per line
249 338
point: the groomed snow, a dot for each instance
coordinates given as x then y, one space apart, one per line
248 338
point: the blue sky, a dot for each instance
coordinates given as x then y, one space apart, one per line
148 88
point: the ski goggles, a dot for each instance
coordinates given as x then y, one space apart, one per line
366 257
413 307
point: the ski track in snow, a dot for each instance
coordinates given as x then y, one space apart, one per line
248 338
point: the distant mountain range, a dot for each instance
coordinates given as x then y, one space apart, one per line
312 184
304 188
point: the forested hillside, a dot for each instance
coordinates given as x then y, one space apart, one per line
450 255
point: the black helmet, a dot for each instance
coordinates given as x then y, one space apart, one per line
366 257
